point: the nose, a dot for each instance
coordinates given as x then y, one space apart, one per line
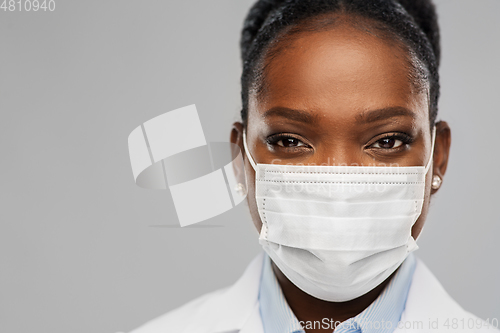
340 152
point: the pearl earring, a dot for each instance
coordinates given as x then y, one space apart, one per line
240 189
436 182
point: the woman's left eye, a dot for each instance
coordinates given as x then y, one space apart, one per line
388 143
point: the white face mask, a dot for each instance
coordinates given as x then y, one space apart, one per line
337 232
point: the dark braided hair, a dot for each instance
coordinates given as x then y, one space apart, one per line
412 24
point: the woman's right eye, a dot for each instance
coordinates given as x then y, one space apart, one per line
290 142
286 141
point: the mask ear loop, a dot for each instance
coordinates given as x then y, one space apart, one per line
427 169
263 229
247 152
432 149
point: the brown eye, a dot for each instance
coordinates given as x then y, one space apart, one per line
388 143
290 142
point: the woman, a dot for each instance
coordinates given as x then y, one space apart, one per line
342 155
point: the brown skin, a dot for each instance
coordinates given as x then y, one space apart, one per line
341 81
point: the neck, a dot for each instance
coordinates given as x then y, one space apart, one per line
308 308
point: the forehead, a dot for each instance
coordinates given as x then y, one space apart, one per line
340 72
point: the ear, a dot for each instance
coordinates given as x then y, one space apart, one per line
441 150
236 138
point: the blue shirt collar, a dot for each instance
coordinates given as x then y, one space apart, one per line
382 316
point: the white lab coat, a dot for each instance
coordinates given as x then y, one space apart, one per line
235 309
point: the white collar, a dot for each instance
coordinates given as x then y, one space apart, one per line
236 306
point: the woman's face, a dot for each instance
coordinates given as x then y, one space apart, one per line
340 97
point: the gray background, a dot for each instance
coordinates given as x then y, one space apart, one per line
80 248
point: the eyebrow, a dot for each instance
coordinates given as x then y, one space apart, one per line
384 113
291 114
